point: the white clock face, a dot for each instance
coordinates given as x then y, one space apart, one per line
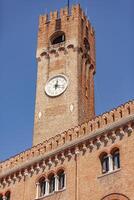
56 85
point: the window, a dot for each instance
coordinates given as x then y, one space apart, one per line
105 163
110 162
42 187
61 180
57 38
116 159
51 183
7 195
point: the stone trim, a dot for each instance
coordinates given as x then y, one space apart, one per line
109 173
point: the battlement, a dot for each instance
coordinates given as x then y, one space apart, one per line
74 12
88 128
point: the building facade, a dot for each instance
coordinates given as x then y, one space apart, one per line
75 154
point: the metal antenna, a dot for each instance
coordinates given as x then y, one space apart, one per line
68 6
86 12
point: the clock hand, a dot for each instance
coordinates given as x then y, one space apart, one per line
56 85
60 86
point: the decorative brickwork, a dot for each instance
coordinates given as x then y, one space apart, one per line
63 49
70 144
92 134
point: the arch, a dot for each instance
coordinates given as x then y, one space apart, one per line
114 149
60 169
61 179
104 159
8 195
51 179
115 196
40 177
42 186
57 37
102 154
115 158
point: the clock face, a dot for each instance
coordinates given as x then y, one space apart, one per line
56 85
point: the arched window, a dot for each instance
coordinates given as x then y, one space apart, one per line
61 179
1 197
42 187
104 162
57 37
51 180
116 159
110 162
7 195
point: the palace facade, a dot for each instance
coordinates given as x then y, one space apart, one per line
75 154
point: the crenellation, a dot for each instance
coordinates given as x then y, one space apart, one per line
76 132
83 16
63 138
53 15
43 19
92 31
63 13
83 129
88 24
70 135
76 10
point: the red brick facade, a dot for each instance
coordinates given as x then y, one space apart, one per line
90 161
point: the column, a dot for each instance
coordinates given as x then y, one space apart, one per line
37 190
110 162
47 187
56 182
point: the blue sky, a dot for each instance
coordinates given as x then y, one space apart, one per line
113 23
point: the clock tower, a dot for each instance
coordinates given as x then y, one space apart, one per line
65 77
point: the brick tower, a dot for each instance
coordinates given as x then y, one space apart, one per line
66 68
75 156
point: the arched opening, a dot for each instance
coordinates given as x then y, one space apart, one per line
115 158
104 162
7 195
51 179
57 37
42 186
61 179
